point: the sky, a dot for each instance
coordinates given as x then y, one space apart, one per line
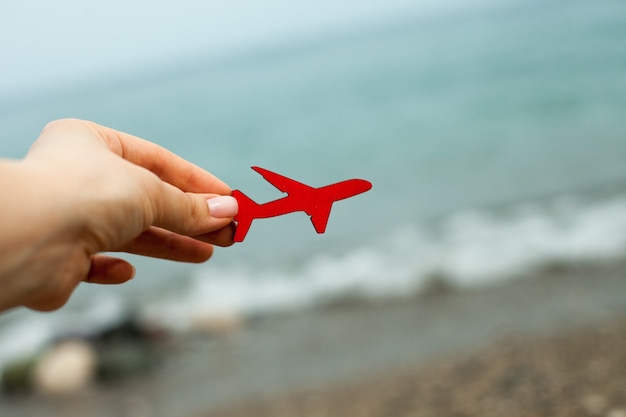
44 44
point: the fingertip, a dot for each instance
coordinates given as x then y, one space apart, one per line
133 271
201 252
109 270
222 237
120 271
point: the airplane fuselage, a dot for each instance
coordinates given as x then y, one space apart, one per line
317 196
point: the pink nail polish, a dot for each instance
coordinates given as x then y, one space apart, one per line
222 207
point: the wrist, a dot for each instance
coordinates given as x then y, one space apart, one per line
34 228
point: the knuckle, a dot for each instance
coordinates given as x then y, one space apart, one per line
192 214
62 124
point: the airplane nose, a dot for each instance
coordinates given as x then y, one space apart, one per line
347 189
362 185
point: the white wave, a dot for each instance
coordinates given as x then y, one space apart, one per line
478 248
468 249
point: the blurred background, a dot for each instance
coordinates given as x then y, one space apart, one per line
493 133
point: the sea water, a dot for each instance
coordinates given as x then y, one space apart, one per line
495 141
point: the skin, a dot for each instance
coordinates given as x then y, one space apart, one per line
84 189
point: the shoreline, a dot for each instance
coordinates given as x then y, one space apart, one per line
346 345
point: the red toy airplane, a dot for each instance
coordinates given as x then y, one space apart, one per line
316 202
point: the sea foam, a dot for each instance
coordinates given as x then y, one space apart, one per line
467 249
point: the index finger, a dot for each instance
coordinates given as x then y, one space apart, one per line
168 166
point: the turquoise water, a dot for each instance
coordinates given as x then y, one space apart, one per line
497 105
501 107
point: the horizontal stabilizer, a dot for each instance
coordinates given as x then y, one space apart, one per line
243 217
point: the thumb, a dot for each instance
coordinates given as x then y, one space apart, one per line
191 214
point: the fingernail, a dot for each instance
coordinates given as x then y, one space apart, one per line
222 207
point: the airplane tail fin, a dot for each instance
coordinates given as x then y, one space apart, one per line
243 217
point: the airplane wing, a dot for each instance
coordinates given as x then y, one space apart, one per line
323 199
284 184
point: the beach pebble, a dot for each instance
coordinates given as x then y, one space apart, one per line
17 375
217 324
594 404
64 368
616 412
138 406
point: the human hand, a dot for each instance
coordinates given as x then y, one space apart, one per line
84 189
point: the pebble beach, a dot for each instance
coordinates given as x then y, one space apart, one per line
578 373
